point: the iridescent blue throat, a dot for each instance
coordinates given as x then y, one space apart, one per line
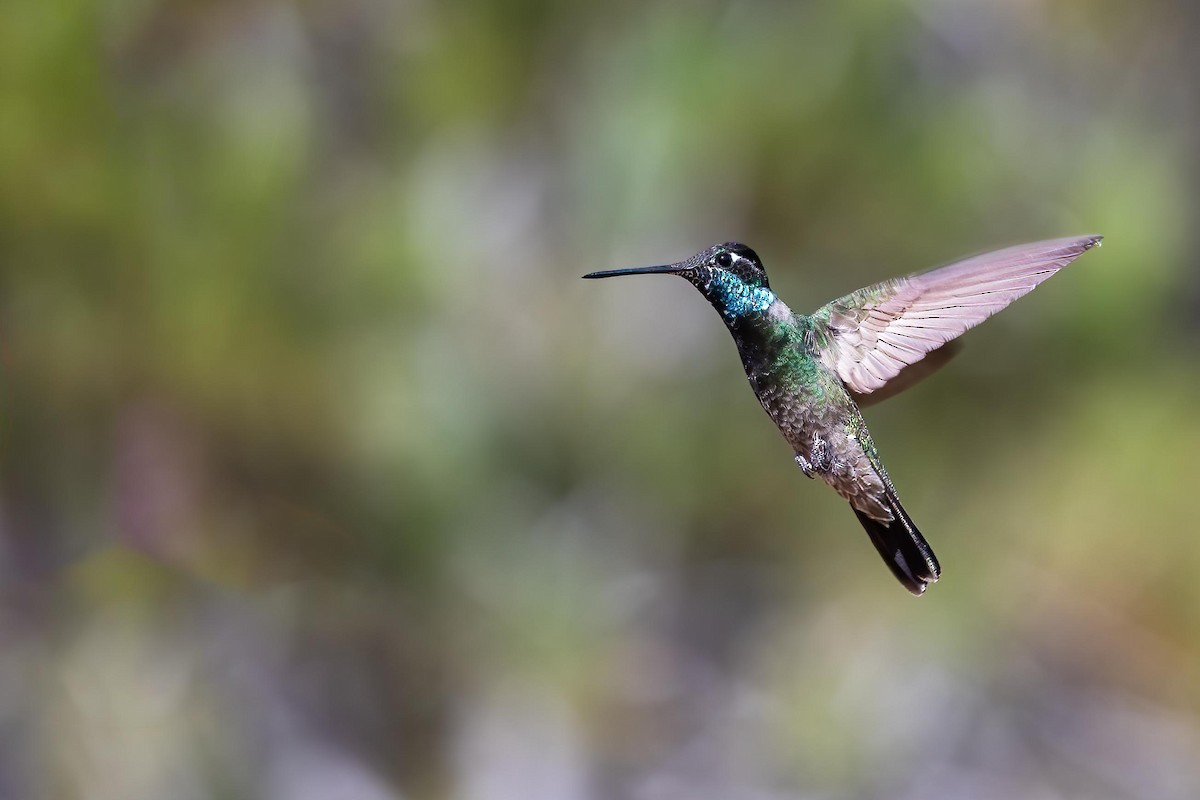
734 298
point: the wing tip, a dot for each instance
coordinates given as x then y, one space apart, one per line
1071 246
1061 252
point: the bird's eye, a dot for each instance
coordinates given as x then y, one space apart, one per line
724 260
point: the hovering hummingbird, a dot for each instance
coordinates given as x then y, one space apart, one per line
811 373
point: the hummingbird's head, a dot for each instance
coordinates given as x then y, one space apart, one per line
730 275
731 261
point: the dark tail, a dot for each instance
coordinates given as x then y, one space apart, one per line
903 547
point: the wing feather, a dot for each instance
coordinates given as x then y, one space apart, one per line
874 333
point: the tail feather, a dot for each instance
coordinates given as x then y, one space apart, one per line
903 547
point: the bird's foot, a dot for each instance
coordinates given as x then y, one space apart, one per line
802 462
819 453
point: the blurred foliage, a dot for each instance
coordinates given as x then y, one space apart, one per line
323 475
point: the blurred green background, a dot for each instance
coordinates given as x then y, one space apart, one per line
325 477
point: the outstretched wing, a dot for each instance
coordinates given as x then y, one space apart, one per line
874 333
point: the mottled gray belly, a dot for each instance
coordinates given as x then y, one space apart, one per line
803 420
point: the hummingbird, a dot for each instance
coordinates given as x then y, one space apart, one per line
812 373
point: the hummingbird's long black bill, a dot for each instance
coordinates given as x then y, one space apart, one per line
669 269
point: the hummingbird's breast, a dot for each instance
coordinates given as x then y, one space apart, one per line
801 401
813 410
800 394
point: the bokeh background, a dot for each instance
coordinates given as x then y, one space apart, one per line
325 477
